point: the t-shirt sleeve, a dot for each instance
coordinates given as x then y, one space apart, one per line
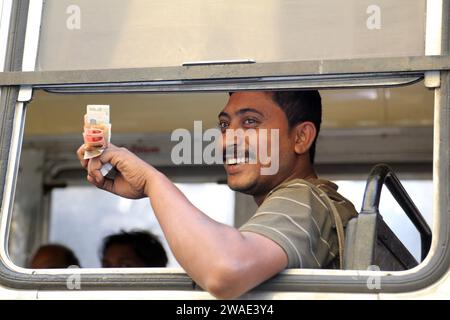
299 222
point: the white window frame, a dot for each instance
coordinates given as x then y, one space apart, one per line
17 90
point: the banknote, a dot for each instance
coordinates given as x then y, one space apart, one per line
97 130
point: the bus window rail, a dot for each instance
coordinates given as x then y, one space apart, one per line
318 68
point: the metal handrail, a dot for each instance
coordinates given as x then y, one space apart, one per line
382 174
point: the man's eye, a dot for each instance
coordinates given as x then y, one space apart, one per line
250 121
222 125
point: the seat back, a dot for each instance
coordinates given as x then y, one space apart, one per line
369 241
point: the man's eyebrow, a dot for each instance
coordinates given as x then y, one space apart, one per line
240 112
223 114
245 110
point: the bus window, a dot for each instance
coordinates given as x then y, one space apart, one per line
382 69
65 209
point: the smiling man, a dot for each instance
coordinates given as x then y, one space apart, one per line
299 222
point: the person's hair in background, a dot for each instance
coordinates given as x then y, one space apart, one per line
132 249
53 256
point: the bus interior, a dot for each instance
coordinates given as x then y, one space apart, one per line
55 204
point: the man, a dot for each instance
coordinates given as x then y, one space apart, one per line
296 224
134 249
53 256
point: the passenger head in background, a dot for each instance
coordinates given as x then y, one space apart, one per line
52 256
132 249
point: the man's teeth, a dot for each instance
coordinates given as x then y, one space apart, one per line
236 161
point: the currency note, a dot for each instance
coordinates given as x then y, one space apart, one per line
97 130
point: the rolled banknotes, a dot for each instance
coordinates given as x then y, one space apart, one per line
97 130
97 135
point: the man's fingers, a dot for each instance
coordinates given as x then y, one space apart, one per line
91 180
80 154
95 164
105 184
108 156
108 185
94 167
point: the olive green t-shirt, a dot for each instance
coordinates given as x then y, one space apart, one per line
296 217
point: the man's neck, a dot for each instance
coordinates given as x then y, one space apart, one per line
307 172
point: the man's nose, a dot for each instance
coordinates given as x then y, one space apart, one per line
231 137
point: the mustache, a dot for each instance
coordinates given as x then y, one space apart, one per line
234 151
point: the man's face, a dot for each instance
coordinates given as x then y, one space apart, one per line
121 256
256 111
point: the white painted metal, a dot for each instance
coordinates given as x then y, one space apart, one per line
5 19
31 45
10 183
433 38
32 35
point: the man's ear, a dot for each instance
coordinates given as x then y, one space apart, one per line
305 133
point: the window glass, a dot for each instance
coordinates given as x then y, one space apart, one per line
82 216
85 34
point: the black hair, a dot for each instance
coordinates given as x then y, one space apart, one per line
68 255
146 246
300 106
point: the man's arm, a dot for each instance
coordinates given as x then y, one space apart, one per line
222 260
